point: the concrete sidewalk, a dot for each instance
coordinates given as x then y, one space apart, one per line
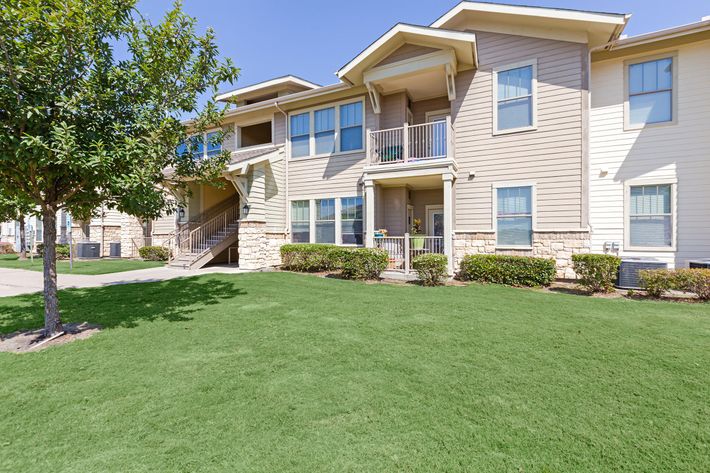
21 281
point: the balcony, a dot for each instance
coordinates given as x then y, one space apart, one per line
411 144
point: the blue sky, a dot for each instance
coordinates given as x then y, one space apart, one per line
313 38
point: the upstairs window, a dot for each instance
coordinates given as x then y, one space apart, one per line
214 145
651 216
325 130
201 146
515 98
514 216
651 92
351 126
300 135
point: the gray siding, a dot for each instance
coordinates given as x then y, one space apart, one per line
394 110
420 107
551 156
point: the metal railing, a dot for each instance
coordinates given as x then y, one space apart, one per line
138 243
403 249
200 239
412 143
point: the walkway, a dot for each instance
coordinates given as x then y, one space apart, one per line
21 281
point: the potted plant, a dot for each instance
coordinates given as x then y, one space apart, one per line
417 236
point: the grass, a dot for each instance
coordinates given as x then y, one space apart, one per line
282 372
88 267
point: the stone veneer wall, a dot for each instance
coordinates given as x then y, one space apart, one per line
258 248
558 245
104 235
131 229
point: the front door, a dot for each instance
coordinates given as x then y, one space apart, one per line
435 221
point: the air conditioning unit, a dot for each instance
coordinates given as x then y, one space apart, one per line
699 263
115 249
629 271
88 249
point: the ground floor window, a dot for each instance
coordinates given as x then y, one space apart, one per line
651 216
330 220
39 230
351 220
300 221
514 216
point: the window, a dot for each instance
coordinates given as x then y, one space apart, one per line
39 230
197 145
254 135
325 221
335 129
351 126
325 130
651 92
214 144
514 90
300 221
514 216
650 216
351 220
300 135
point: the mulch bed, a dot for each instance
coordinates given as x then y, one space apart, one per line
33 340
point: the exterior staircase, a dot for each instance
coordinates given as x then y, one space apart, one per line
198 242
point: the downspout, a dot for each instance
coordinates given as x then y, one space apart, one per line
286 152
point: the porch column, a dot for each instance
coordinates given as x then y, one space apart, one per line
448 220
369 214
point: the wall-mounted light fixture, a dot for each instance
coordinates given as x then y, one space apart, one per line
245 210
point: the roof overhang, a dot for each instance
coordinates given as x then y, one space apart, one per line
271 86
462 44
593 28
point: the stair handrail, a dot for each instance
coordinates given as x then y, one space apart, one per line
198 238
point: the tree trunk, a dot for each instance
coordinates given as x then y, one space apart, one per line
52 321
23 237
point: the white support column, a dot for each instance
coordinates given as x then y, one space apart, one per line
369 214
405 141
448 220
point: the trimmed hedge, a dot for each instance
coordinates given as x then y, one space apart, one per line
696 281
597 273
154 253
508 270
62 250
363 263
431 268
310 257
355 263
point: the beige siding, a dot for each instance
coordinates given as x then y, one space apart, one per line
393 210
551 156
666 152
421 198
279 128
164 224
107 217
406 51
394 110
420 108
275 195
331 176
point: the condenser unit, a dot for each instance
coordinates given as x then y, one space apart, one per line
88 250
699 263
629 271
115 249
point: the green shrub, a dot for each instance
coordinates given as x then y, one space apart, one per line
154 253
509 270
431 268
311 257
363 263
656 282
7 249
62 250
597 273
659 281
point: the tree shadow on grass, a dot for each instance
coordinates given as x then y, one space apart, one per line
123 305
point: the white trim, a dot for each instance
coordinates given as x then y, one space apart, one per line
238 133
434 113
311 142
494 215
673 56
406 29
494 77
673 182
414 64
661 35
540 12
337 221
285 80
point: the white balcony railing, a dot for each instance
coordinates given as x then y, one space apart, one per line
403 249
412 143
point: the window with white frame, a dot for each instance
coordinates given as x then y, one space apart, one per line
351 220
323 131
515 98
651 216
514 219
300 221
201 146
325 221
650 92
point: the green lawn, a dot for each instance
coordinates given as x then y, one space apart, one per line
272 372
90 267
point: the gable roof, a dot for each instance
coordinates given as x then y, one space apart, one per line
268 86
